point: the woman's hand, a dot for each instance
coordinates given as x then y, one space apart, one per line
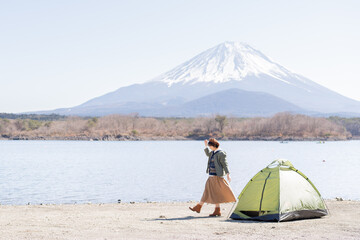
206 142
228 177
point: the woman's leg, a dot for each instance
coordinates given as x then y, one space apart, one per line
197 208
217 211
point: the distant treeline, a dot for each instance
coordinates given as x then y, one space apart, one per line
352 125
40 117
282 126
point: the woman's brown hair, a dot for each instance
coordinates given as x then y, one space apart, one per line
213 142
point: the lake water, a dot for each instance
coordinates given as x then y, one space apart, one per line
103 172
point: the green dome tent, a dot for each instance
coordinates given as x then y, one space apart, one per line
279 192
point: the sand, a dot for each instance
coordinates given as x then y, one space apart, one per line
171 220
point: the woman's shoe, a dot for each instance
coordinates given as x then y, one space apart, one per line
216 212
197 208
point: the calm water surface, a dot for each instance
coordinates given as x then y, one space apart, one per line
83 171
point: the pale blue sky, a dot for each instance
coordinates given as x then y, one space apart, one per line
62 53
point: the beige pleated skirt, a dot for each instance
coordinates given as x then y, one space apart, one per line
217 190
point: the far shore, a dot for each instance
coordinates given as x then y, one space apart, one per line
166 220
280 127
131 138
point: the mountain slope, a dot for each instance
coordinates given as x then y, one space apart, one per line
226 66
231 102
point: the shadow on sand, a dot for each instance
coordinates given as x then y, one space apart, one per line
222 219
178 218
245 221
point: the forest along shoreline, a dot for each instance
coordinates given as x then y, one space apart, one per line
132 127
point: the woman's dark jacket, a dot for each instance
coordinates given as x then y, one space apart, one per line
221 165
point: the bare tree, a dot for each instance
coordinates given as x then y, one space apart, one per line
221 120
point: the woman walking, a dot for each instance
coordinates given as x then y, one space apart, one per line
217 190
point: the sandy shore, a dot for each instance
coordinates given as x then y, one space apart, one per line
171 220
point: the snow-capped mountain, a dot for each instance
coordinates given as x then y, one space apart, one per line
229 65
225 62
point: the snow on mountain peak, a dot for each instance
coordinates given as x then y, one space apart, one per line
224 62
